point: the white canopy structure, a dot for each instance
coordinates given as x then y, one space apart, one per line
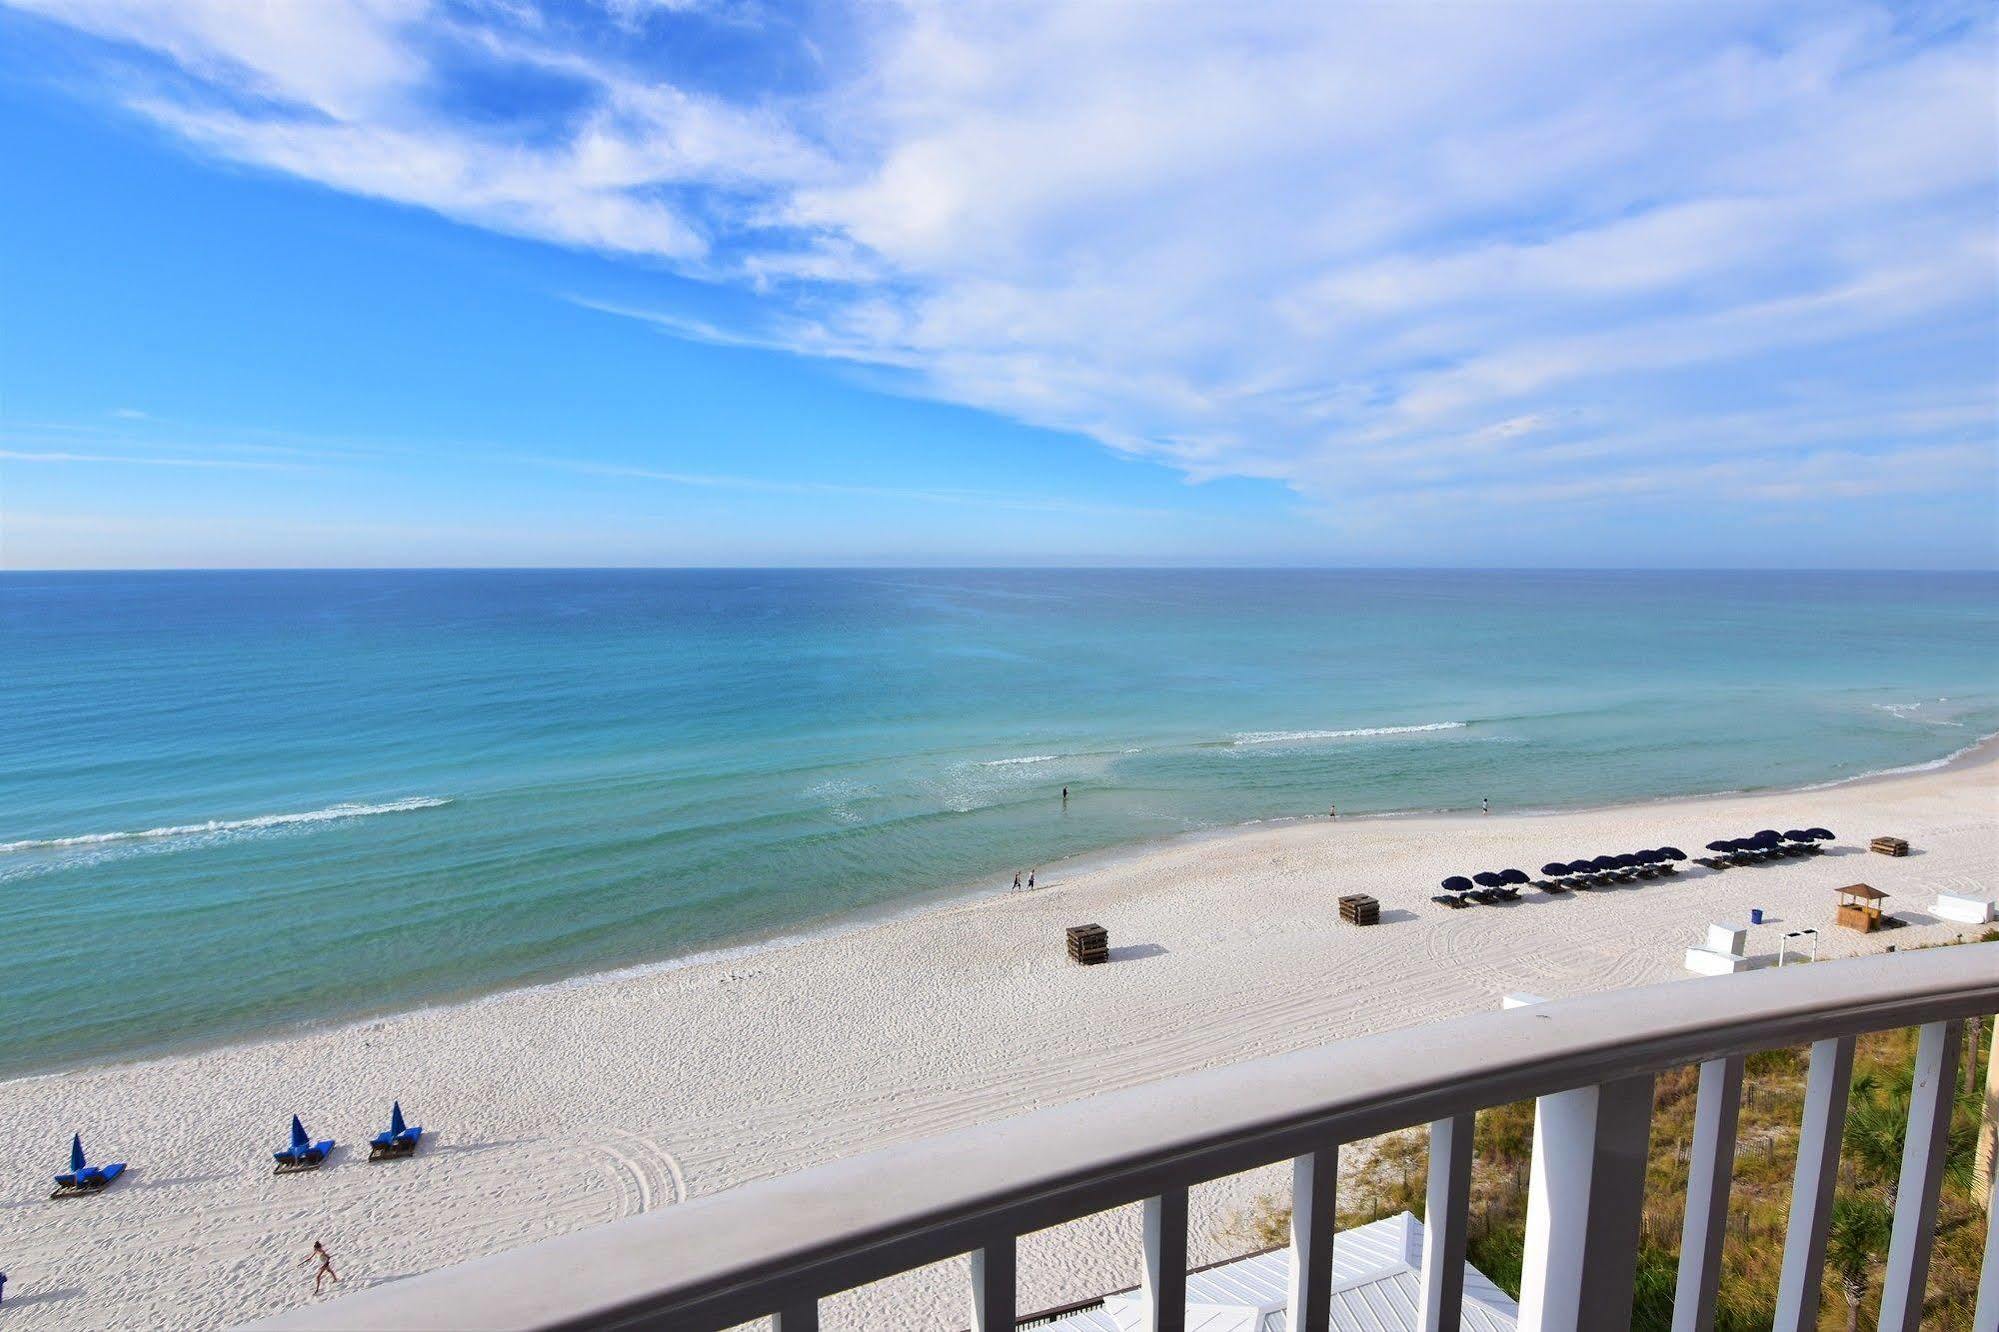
1376 1284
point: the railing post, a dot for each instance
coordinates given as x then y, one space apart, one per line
1314 1181
1987 1313
1585 1203
1812 1184
1923 1147
993 1287
1166 1261
1985 1160
797 1318
1710 1170
1444 1225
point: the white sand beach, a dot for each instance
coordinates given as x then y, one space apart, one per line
569 1106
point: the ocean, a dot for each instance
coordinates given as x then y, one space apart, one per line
231 803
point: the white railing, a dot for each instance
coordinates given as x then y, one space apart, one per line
779 1246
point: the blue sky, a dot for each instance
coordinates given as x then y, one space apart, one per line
402 282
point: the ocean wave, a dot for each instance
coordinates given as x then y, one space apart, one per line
1933 765
838 796
1909 712
1010 762
1279 737
330 814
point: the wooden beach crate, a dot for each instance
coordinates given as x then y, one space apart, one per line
1889 846
1360 909
1089 944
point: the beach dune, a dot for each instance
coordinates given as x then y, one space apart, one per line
566 1106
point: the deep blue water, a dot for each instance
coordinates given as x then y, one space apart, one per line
235 801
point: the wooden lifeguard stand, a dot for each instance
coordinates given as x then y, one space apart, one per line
1860 907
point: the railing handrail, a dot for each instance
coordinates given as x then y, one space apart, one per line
740 1254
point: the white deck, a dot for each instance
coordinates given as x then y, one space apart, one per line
1375 1289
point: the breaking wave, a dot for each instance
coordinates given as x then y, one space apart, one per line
1278 737
1913 712
330 814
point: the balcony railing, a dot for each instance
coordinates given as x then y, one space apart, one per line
779 1246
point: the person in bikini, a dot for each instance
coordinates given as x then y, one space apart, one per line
325 1266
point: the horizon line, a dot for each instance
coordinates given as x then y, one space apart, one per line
991 568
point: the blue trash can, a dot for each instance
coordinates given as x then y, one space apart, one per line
1756 915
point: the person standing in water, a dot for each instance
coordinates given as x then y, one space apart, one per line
1332 811
1065 795
1485 804
325 1266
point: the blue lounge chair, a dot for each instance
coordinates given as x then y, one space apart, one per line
400 1140
84 1177
304 1153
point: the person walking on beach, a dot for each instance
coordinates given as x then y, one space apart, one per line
1016 881
1332 811
3 1287
325 1266
1485 804
1030 878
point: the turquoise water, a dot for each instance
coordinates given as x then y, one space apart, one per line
230 802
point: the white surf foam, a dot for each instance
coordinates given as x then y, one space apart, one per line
1913 712
330 814
1010 762
1279 737
1934 765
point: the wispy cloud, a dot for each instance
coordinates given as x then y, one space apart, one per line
972 498
1406 258
141 460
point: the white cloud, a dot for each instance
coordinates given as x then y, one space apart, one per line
980 499
358 95
344 57
1376 253
138 460
524 193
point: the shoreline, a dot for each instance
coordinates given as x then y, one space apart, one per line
1981 751
567 1105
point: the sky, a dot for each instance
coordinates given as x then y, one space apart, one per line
733 282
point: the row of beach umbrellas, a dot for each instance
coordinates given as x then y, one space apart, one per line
1488 885
1505 885
1767 843
1640 861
